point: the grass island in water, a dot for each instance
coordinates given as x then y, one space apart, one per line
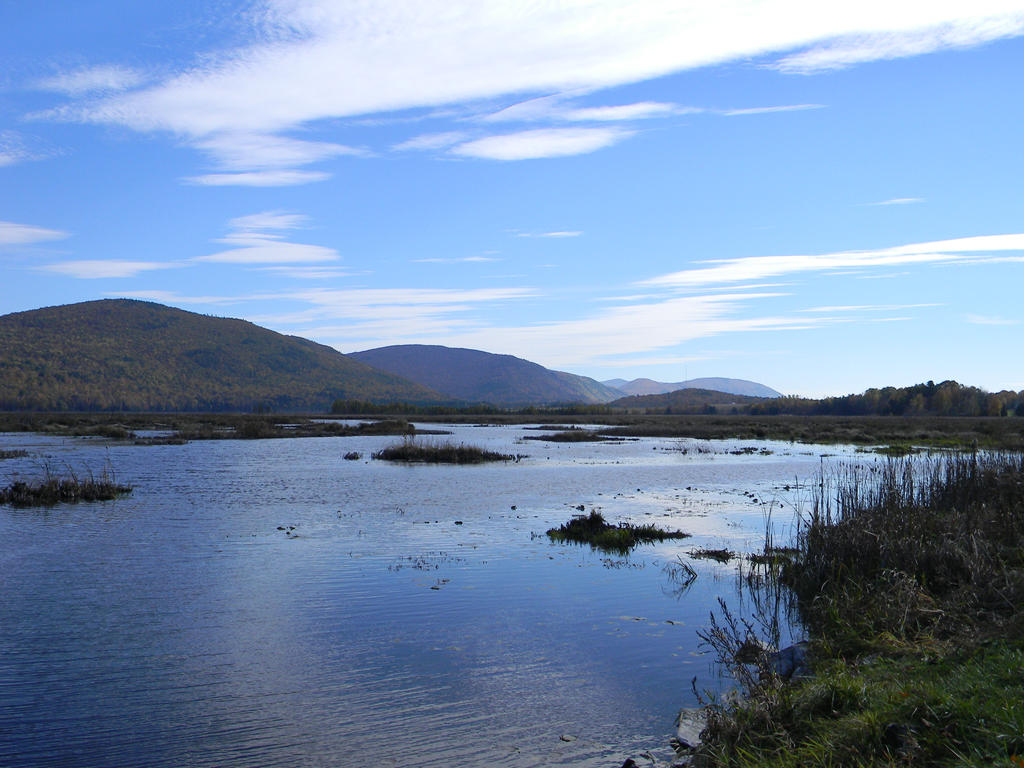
53 490
409 450
593 529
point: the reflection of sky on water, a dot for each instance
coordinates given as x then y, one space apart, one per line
181 625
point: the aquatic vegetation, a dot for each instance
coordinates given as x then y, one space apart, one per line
411 450
574 435
594 530
15 454
909 576
69 488
708 553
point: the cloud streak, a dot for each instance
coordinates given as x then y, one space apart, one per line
238 105
103 79
97 269
283 178
542 143
903 38
899 201
12 234
257 242
760 267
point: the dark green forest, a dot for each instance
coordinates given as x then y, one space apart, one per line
948 398
121 355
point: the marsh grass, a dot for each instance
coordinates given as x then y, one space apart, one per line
594 530
934 545
14 454
69 488
574 435
909 576
720 555
447 452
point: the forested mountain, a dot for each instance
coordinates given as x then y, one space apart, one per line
119 354
733 386
474 376
689 400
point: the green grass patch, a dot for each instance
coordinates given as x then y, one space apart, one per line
949 709
594 530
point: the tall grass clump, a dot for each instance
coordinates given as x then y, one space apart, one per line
446 452
909 577
53 489
910 545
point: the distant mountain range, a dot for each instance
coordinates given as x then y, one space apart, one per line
688 400
119 354
482 377
732 386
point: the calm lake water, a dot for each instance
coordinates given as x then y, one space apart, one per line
269 603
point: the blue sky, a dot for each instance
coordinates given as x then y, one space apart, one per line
823 197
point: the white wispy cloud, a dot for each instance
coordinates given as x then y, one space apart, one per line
542 142
643 110
456 260
323 59
27 234
769 110
352 319
415 54
94 269
759 267
104 78
256 250
174 298
901 35
307 273
359 318
257 242
899 201
12 149
990 320
430 141
273 220
284 178
559 107
868 307
254 151
557 233
629 329
352 302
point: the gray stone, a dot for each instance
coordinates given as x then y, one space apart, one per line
790 662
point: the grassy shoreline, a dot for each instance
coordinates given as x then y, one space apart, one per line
911 584
896 433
